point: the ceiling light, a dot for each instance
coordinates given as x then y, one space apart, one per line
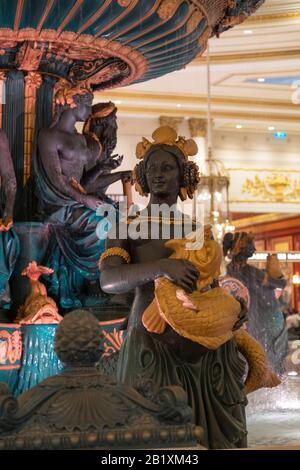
118 102
280 135
261 80
248 31
271 128
239 126
178 105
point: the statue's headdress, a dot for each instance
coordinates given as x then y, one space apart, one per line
167 136
99 110
64 96
66 92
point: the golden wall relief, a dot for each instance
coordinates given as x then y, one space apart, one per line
275 186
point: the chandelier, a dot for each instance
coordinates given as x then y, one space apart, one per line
213 188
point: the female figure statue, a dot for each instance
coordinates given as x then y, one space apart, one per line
213 380
100 131
63 159
265 319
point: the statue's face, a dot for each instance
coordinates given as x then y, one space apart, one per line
83 106
250 249
162 173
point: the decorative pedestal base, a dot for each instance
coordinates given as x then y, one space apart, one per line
10 354
39 359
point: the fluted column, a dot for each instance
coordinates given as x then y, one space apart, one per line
171 121
198 129
33 81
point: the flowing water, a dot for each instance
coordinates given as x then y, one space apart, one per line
273 415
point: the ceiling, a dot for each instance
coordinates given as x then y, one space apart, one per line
255 77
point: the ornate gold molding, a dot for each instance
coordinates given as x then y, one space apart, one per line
189 98
269 170
86 47
274 17
261 201
262 218
171 121
274 188
159 110
274 54
33 81
198 127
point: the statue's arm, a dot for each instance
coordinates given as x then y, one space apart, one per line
104 167
8 178
118 277
92 175
105 180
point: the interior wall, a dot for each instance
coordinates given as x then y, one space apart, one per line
246 155
275 162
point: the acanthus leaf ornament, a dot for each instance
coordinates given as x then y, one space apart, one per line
30 56
194 21
168 8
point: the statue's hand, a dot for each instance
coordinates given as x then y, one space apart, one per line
92 202
112 162
117 159
180 271
6 224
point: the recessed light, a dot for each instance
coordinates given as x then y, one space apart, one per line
271 128
293 373
261 80
239 126
178 105
280 135
248 31
118 102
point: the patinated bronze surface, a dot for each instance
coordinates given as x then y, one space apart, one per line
265 318
8 183
212 379
79 408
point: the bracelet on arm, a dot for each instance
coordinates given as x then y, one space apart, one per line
115 251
